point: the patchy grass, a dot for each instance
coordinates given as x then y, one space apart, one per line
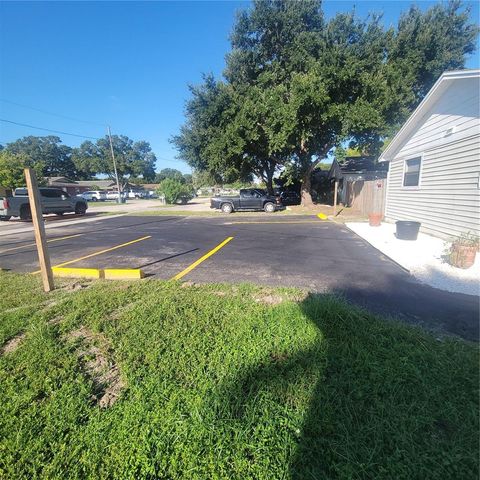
233 382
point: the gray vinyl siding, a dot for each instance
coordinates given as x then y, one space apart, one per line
447 201
459 107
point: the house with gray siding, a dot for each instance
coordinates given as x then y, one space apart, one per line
434 172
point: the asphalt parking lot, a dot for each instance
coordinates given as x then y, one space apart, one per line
298 251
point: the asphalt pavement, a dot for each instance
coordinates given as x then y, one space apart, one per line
297 251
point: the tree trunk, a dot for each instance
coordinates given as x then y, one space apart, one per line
269 183
306 187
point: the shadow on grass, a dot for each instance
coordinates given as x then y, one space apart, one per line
385 401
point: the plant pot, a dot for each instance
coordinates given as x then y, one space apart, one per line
375 219
463 256
407 230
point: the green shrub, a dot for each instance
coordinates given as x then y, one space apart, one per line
175 191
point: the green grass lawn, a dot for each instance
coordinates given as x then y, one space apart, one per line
233 382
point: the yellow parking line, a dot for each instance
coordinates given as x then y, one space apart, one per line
270 223
98 253
178 276
48 241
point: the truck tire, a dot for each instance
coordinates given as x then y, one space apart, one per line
5 218
80 209
269 207
227 208
25 213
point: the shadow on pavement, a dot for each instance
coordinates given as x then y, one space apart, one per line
168 258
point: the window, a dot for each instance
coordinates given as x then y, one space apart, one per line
47 193
411 176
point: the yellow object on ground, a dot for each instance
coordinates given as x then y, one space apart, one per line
77 272
322 216
123 273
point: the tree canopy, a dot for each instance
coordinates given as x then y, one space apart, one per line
48 152
133 159
171 173
297 85
12 166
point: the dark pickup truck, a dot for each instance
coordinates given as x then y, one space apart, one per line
249 199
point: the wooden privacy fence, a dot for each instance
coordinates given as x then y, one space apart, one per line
367 196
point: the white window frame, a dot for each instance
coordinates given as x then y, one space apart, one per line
405 160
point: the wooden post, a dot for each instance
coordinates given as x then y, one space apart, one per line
39 229
335 198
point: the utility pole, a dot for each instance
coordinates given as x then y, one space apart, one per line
119 200
39 229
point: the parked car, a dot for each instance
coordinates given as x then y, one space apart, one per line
134 194
249 199
53 200
287 197
94 196
113 195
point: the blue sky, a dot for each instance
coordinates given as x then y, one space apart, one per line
127 64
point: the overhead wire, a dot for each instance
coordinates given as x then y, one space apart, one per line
52 113
61 132
48 129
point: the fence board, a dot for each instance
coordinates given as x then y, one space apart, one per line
367 196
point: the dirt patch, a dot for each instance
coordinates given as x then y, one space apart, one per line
94 353
73 287
187 284
12 344
268 299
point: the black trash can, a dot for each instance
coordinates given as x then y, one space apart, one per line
407 230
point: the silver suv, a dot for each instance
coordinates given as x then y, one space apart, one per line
94 196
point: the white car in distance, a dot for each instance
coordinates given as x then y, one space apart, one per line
94 196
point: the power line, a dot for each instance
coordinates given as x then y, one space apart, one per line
47 129
51 113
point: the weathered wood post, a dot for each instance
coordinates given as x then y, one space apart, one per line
39 229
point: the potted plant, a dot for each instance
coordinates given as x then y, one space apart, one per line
463 250
375 219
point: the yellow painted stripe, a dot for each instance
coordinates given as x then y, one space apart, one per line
77 272
178 276
48 241
99 253
270 223
123 273
322 216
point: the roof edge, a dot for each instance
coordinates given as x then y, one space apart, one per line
389 152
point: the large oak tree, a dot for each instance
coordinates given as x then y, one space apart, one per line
297 85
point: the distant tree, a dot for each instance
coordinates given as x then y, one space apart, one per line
169 173
133 159
55 158
204 179
188 178
12 166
